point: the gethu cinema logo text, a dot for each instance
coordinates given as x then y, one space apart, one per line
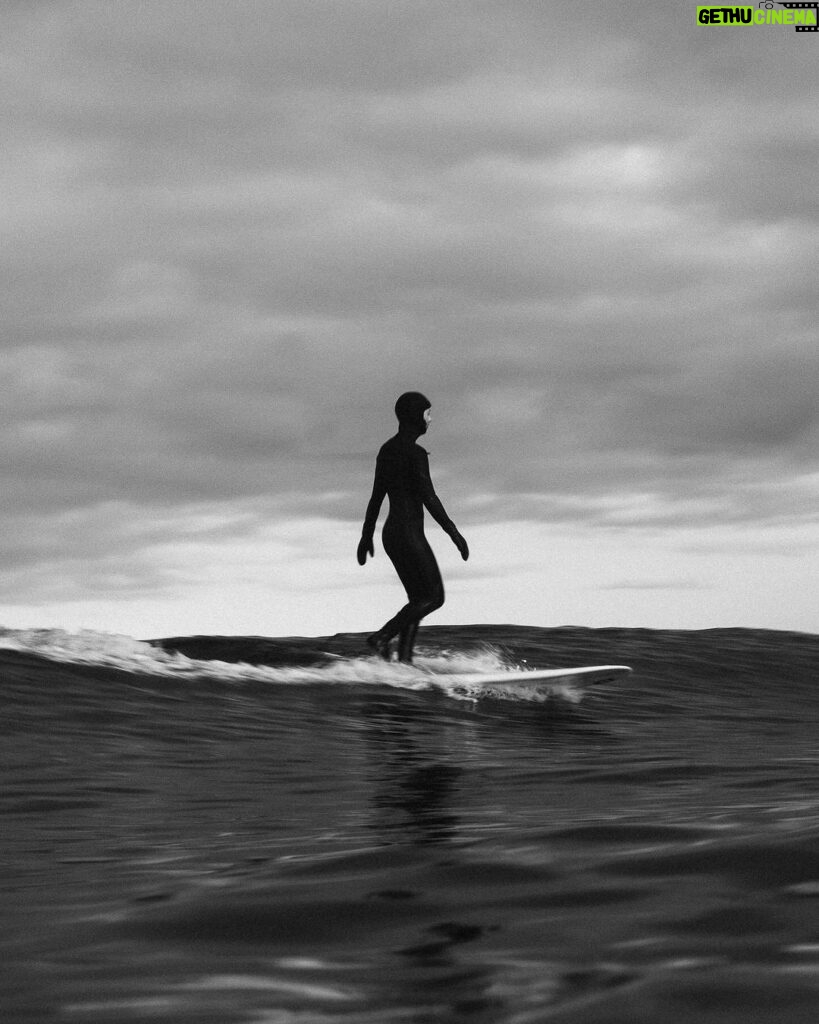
798 14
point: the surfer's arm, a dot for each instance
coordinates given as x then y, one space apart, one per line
432 503
365 545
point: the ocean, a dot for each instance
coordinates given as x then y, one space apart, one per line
243 829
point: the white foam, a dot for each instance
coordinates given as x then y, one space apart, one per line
124 653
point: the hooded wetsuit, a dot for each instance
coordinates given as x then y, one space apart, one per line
402 473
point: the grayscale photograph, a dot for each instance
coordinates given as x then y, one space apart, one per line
408 581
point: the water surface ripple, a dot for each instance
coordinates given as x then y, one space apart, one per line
315 842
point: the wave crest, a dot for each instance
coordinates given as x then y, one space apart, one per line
126 654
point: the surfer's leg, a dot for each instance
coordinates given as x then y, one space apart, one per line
418 570
380 643
406 642
428 601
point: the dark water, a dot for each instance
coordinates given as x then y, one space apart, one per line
332 845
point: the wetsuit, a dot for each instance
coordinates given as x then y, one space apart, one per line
402 473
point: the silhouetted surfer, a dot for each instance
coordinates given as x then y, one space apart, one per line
402 472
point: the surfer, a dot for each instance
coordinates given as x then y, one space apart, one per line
402 472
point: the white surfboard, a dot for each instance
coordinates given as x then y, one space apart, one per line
533 684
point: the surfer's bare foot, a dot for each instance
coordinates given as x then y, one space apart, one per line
380 644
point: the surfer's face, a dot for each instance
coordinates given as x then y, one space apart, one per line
427 416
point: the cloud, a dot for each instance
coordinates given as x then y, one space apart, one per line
673 584
232 234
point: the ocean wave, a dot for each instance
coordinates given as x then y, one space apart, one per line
440 670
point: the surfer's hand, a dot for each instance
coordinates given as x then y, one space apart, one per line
461 545
365 547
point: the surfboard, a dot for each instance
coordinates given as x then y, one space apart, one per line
533 684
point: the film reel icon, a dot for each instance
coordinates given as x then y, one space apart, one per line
813 5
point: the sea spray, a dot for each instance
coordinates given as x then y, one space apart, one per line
126 654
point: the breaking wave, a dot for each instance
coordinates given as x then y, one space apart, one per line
442 670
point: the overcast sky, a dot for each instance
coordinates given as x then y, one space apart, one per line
233 232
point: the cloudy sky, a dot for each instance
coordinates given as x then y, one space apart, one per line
233 232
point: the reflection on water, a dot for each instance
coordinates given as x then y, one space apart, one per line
355 854
414 789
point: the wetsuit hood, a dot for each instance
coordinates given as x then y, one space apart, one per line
410 409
